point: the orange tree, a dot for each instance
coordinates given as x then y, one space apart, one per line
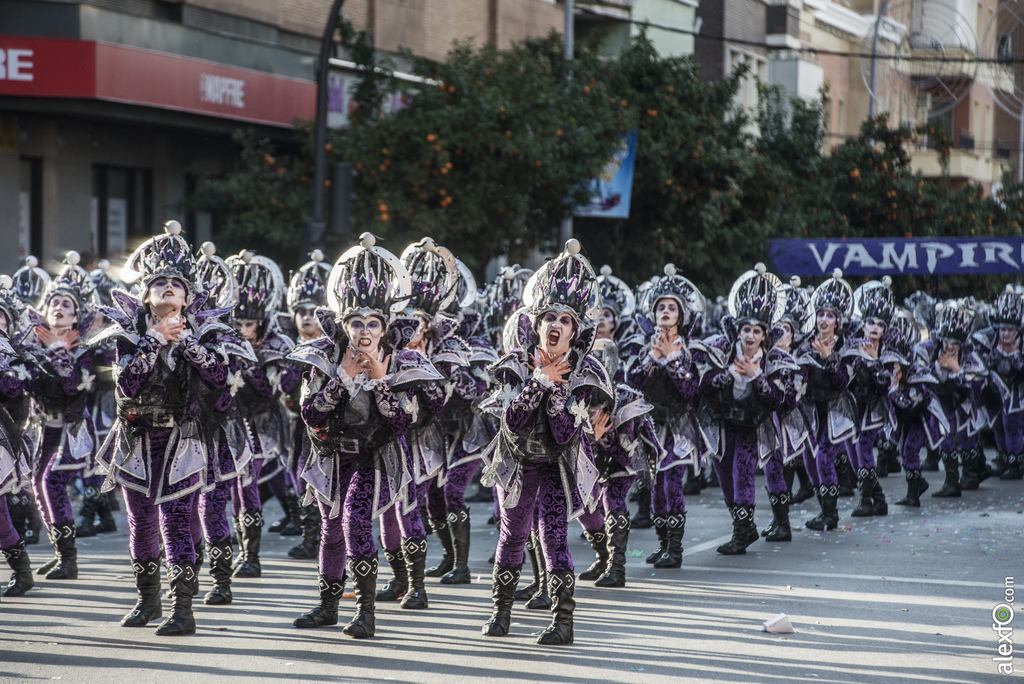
487 156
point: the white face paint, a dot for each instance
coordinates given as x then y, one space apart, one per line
364 333
786 341
950 348
873 329
306 323
248 329
606 324
666 313
1007 337
751 337
556 332
60 312
826 322
166 295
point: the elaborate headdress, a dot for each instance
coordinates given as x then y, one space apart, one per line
260 285
30 281
616 295
214 276
308 286
835 295
73 281
1007 310
565 284
954 321
757 297
504 297
11 305
874 300
367 280
104 282
901 335
162 256
674 286
798 302
466 295
435 276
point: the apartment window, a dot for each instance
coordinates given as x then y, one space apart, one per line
841 116
30 209
122 209
758 69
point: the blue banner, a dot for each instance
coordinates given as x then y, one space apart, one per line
911 256
611 191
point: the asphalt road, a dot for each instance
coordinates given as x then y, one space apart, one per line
908 597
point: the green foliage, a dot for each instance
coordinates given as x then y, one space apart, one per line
484 159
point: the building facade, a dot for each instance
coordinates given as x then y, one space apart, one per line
108 108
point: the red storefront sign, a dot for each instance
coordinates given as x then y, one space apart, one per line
52 67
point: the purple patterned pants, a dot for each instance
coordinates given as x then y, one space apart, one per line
821 465
667 492
213 506
396 526
736 468
613 499
51 486
910 449
1009 432
863 453
541 488
8 535
351 533
775 474
247 497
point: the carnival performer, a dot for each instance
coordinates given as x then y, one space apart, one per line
668 377
434 281
918 419
307 290
261 290
15 382
869 383
356 415
951 358
794 433
155 450
467 429
102 408
743 382
828 406
541 460
623 437
30 282
228 441
1001 345
64 440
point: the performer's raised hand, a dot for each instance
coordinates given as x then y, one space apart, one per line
601 420
553 369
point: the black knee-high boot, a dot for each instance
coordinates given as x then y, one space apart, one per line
527 592
363 570
828 519
642 520
616 528
415 553
147 582
675 528
865 486
309 521
503 588
21 580
599 542
252 537
916 486
459 524
325 613
63 536
542 599
661 529
951 485
443 531
559 632
780 529
742 519
394 589
181 621
220 571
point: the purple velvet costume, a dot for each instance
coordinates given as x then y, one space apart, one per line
828 409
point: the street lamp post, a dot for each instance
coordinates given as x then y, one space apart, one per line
570 39
313 226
